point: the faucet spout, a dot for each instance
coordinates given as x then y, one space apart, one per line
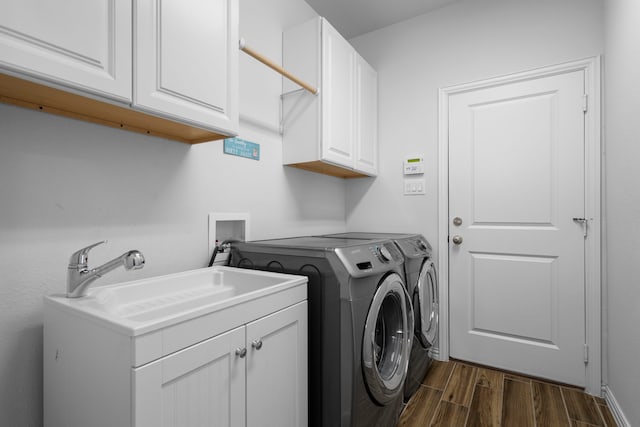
80 277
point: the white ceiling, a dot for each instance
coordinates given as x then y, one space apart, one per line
355 17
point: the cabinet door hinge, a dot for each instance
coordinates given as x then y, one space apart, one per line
586 354
585 102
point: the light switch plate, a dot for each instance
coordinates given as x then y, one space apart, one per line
414 186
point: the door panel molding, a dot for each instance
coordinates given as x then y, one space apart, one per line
593 205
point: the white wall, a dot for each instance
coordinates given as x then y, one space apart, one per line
65 184
467 41
622 137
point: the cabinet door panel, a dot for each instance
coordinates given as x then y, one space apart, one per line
186 61
338 97
75 43
366 140
203 385
277 371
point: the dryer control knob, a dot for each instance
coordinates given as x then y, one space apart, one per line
384 254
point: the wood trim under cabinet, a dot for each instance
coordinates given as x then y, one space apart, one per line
36 96
319 166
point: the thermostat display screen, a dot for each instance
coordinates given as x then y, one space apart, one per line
413 165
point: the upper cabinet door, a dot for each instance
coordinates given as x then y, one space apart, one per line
366 121
187 61
338 97
80 44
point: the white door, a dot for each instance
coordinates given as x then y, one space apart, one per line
76 43
200 386
516 181
186 55
277 369
337 97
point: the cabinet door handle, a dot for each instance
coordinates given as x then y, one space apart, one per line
257 344
242 352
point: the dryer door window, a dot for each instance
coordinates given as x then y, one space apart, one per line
387 340
425 303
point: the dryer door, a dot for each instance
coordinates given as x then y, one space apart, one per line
387 340
425 304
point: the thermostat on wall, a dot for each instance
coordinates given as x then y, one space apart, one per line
413 165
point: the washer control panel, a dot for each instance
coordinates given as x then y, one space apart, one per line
383 254
370 259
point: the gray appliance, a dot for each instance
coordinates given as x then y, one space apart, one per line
360 323
422 285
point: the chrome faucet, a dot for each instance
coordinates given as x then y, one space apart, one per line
79 277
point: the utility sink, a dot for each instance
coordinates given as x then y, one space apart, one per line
145 305
189 343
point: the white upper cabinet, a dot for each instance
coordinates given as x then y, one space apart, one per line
366 119
186 61
170 66
81 44
334 132
338 100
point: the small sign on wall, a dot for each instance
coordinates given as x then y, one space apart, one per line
241 148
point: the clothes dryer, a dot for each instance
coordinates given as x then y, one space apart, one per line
422 282
360 323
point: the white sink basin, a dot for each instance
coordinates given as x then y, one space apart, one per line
148 304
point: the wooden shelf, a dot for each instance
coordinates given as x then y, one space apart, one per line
28 94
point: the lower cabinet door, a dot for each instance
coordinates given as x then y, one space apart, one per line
203 385
277 369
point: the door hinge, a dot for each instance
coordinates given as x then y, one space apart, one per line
586 354
585 102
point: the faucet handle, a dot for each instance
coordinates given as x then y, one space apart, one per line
80 258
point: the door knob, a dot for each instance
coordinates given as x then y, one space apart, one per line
257 344
457 239
242 352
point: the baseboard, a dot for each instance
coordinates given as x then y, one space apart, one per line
615 408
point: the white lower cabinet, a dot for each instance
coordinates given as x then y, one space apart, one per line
203 385
254 375
277 369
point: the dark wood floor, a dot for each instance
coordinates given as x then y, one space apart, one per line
458 394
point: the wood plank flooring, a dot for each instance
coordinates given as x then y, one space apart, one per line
459 394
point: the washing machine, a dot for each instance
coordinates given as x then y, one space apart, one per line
360 323
422 282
